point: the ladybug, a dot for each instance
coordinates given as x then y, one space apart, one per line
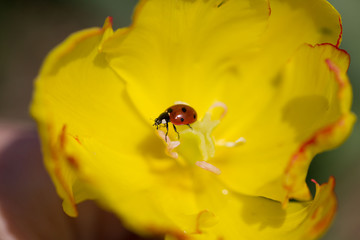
179 114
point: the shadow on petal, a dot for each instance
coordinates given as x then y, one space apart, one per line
304 113
263 213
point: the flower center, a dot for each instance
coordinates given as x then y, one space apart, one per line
196 145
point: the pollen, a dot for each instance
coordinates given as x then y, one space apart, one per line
225 191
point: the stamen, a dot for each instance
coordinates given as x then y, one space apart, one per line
219 104
170 145
198 144
239 141
209 167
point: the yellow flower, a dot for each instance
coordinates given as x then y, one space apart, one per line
269 85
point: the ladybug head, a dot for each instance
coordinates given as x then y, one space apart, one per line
157 122
162 119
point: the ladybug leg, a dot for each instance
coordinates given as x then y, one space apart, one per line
176 131
190 126
167 130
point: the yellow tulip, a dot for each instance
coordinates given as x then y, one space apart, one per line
268 82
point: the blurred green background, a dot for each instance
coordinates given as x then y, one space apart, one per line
30 29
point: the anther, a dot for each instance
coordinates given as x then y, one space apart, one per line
224 143
170 145
209 167
222 105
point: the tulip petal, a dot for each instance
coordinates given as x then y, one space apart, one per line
80 101
211 60
291 24
179 54
310 113
241 217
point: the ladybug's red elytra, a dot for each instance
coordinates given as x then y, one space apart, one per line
179 114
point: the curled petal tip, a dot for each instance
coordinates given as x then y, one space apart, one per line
108 22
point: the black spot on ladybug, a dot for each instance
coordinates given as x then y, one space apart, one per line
169 110
182 119
183 109
194 116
